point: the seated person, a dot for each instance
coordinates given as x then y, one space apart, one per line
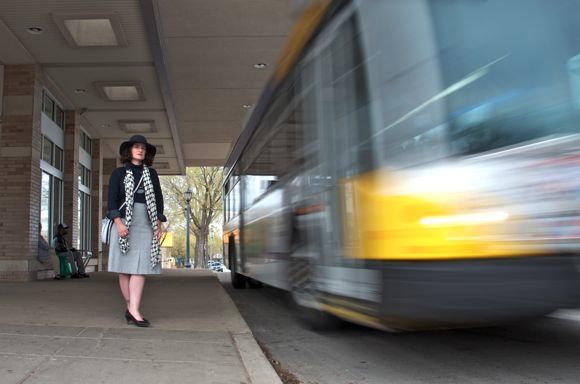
44 257
64 252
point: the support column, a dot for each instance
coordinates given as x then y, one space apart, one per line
97 201
109 166
72 133
20 175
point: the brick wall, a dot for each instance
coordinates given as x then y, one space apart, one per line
20 174
97 201
72 133
109 166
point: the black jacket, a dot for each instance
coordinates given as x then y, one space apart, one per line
59 243
117 191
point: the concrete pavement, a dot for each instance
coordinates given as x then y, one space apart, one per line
74 331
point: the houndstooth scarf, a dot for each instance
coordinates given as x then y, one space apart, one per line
129 182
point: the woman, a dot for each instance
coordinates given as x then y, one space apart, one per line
136 208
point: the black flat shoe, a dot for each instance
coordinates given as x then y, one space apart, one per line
131 319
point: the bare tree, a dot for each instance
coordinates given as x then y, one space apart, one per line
206 186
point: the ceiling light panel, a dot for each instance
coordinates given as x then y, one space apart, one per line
92 33
161 165
94 30
120 91
138 126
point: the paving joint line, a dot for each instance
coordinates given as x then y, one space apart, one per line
111 338
47 357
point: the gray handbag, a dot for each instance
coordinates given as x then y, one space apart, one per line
107 224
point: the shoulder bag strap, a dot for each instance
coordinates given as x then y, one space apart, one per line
135 190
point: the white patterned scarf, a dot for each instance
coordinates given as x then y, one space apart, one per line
129 182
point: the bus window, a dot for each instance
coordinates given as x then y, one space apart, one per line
346 102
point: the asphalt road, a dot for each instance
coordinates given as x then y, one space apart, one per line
546 350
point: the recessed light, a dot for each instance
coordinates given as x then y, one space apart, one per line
80 90
35 30
247 106
260 65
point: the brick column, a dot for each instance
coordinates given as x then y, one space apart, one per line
72 133
109 166
20 175
97 201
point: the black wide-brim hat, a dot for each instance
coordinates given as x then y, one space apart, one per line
137 139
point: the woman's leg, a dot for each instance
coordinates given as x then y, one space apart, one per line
124 284
136 285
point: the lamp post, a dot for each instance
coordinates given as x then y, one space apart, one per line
187 213
210 242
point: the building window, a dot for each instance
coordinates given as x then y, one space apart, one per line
52 109
47 148
52 153
84 194
50 204
47 105
85 176
84 221
86 143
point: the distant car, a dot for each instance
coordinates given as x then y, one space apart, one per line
217 266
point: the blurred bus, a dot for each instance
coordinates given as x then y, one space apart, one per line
415 164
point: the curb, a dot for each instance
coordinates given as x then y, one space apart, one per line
258 368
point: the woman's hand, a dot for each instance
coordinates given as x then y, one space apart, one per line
159 232
122 229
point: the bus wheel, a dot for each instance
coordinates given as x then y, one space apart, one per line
304 297
253 283
238 280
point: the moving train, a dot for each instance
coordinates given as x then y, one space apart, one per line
415 165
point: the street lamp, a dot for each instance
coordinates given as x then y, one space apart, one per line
187 212
211 232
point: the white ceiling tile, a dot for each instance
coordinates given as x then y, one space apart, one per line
223 62
225 17
214 104
206 150
71 78
209 131
209 49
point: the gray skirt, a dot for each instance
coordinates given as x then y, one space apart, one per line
137 261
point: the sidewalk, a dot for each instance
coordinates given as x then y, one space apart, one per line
74 331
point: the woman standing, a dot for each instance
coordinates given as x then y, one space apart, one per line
136 207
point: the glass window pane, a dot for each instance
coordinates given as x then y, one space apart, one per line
80 220
47 147
45 199
58 158
57 202
48 105
59 117
87 223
